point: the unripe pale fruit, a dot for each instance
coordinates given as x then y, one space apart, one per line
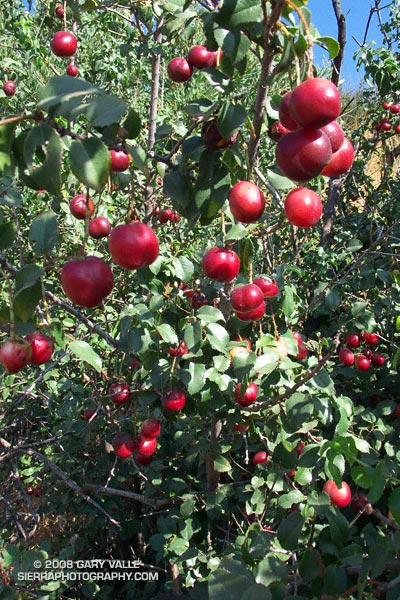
42 347
221 264
339 497
315 102
302 154
123 444
303 207
341 160
79 205
63 43
87 281
281 348
133 245
15 355
246 202
179 70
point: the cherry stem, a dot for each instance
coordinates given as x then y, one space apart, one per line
223 228
310 55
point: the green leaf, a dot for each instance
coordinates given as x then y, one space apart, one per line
212 185
310 565
237 232
217 336
132 124
278 181
230 118
90 162
183 268
194 377
178 188
240 14
8 233
47 176
62 89
210 314
138 156
44 232
271 569
266 363
84 351
330 44
394 504
9 194
167 333
26 278
289 530
105 110
221 464
26 302
6 138
230 580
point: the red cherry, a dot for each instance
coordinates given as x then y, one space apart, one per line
378 360
87 281
346 357
386 126
166 215
303 207
133 245
300 447
285 115
359 502
335 134
221 264
63 43
179 70
180 350
200 57
362 362
151 428
368 353
246 202
197 299
145 445
88 413
212 138
119 392
394 109
397 129
99 227
123 444
248 397
341 160
15 355
42 347
277 130
302 349
142 459
339 497
268 286
72 70
302 154
252 315
78 206
386 105
260 457
352 340
174 400
246 297
120 160
315 103
9 88
371 339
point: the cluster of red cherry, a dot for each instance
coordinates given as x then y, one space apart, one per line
311 142
181 69
362 361
35 349
143 445
166 215
384 124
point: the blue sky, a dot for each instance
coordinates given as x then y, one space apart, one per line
357 13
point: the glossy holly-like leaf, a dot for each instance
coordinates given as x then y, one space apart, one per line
90 162
44 232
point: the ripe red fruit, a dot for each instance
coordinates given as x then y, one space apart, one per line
123 444
302 154
385 126
200 57
120 160
15 355
248 396
180 350
142 459
221 264
9 88
315 102
179 70
246 202
362 362
78 206
260 457
166 215
397 129
174 400
300 447
252 315
133 245
341 160
88 413
87 281
394 109
72 70
197 299
367 352
145 445
378 359
268 286
371 339
151 428
346 357
285 115
352 340
246 297
276 131
302 349
386 105
212 138
119 392
339 497
63 43
359 502
42 347
59 12
335 134
303 207
99 227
